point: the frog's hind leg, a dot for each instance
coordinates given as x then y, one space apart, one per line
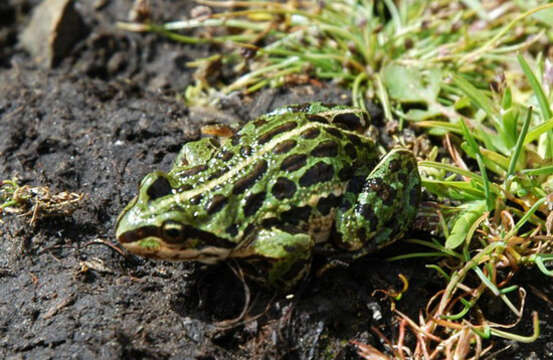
386 205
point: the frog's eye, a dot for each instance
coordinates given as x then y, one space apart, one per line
159 188
173 232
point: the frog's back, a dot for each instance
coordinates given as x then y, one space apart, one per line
286 169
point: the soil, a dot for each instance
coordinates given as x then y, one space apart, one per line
105 116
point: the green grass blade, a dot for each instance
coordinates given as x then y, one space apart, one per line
536 132
477 97
520 143
536 87
545 170
479 159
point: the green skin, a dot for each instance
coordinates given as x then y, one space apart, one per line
299 180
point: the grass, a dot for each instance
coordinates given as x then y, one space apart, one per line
473 75
36 201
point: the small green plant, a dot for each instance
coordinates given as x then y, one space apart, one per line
36 201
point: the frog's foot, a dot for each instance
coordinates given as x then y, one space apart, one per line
385 207
281 258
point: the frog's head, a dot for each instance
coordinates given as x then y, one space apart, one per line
156 224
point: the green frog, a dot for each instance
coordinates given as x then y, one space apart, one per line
299 181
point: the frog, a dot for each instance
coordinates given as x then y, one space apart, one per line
298 182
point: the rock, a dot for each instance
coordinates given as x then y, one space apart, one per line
54 28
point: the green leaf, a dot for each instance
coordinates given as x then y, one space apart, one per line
463 223
508 131
412 85
454 190
478 97
536 132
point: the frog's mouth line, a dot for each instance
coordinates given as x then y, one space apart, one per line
154 247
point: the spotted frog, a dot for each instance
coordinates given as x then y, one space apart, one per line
295 182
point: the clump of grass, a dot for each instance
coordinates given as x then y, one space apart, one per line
504 220
451 70
36 201
353 42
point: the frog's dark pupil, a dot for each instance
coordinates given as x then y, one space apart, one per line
159 188
172 231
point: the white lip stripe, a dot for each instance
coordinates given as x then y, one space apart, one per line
184 196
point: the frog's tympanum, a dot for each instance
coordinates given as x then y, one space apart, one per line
297 181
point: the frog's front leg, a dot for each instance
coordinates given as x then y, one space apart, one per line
385 207
281 258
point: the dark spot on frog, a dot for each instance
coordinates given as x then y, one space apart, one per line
232 229
335 132
367 212
259 122
310 133
317 118
350 151
196 199
159 188
296 215
384 191
215 204
218 173
327 148
285 146
235 139
345 173
325 204
349 119
270 222
225 155
356 140
266 137
414 196
247 181
356 184
248 230
293 162
245 151
253 203
320 172
193 170
283 188
184 187
362 233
